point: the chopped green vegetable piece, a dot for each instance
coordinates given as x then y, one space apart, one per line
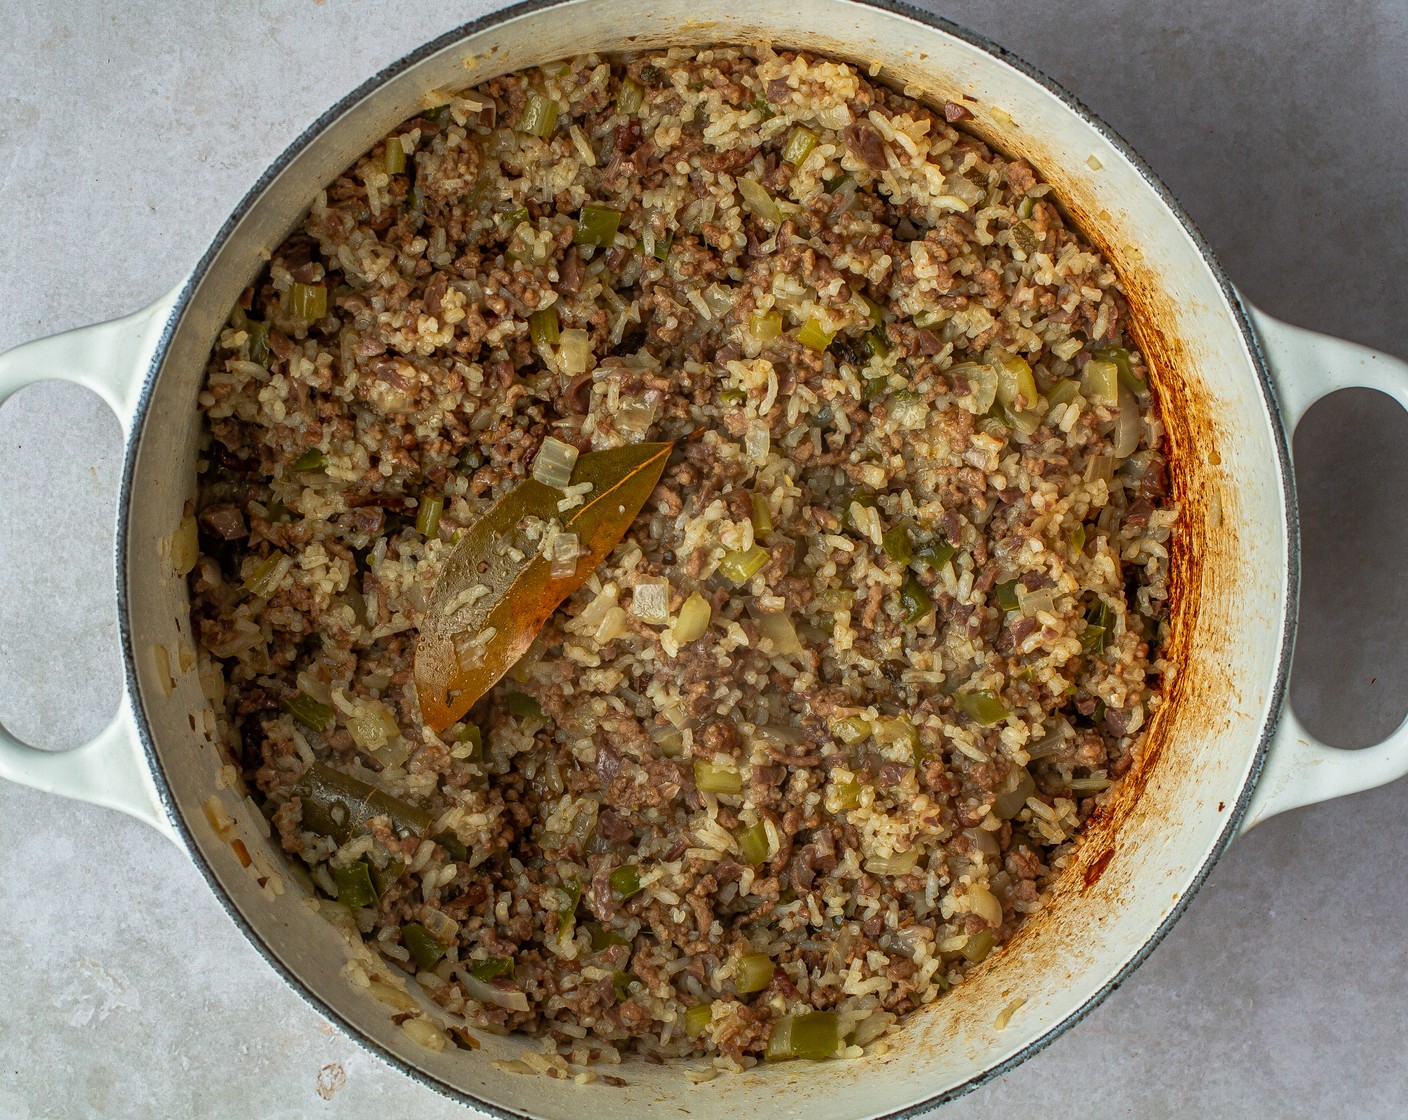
439 115
354 884
1025 207
603 938
1006 595
338 805
813 336
874 311
979 945
754 973
491 968
314 459
863 497
692 622
454 847
981 705
572 887
831 186
716 779
936 554
1063 392
660 246
915 603
895 542
733 397
764 328
814 1036
424 949
753 843
472 734
1096 634
875 387
901 730
848 794
1016 387
308 302
428 514
1078 538
877 343
307 711
762 516
630 97
539 116
740 565
394 158
625 881
696 1019
522 706
621 982
258 341
597 225
799 146
261 580
515 218
852 730
543 327
384 878
1101 382
763 108
1120 356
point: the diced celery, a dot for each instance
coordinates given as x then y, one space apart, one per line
895 542
394 158
755 971
711 778
799 145
696 1019
852 730
740 565
1006 595
314 459
753 843
630 97
539 116
428 514
308 302
814 336
543 327
597 225
982 706
625 881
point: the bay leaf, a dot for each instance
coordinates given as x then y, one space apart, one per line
497 590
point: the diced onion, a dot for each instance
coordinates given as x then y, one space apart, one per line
563 552
693 619
575 351
650 601
1127 426
902 864
984 904
759 202
778 629
553 466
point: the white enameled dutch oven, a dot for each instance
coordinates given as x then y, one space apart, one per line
1224 751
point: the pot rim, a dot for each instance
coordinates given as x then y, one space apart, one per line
889 7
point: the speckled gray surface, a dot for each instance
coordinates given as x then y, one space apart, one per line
126 134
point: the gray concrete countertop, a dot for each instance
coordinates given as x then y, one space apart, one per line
127 133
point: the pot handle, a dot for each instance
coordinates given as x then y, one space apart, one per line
1301 770
110 359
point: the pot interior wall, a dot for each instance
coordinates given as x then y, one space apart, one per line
1144 850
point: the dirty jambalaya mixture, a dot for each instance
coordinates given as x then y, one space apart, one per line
814 738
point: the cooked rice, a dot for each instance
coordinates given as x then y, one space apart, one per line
892 863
